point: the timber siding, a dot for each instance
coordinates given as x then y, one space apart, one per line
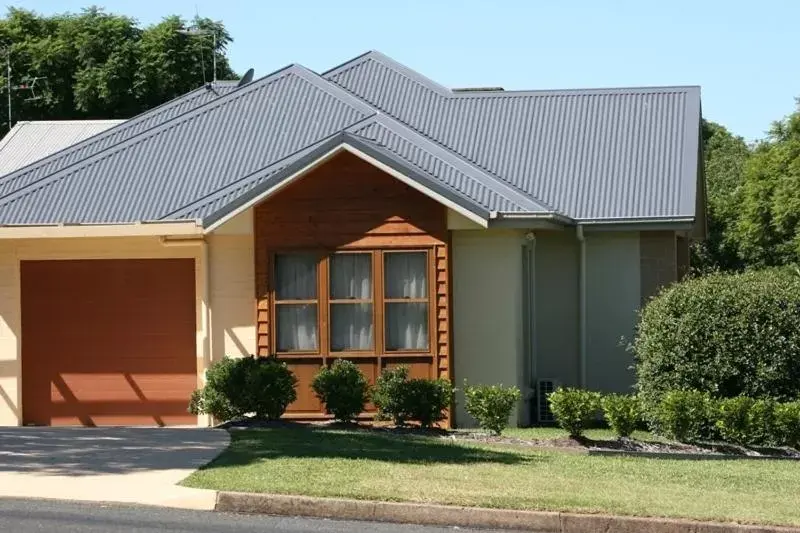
348 204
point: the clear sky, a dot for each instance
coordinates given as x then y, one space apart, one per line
745 55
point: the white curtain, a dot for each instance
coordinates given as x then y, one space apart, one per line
351 277
407 326
296 326
295 277
351 323
405 276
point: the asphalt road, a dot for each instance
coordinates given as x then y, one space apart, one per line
28 516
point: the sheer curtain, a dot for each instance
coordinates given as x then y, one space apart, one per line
351 323
296 279
405 277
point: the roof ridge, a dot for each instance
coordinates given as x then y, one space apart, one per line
655 89
50 178
398 67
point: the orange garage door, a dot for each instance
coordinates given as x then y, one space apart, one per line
108 342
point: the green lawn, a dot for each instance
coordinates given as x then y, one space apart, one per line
363 465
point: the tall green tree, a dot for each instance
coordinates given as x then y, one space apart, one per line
725 156
768 228
103 65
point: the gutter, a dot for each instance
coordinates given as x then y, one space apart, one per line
581 305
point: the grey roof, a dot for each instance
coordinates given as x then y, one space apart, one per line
628 154
30 141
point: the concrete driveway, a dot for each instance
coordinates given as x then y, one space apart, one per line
132 465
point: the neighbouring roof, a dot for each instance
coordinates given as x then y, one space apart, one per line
30 141
589 155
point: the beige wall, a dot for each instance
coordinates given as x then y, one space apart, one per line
487 310
232 289
612 301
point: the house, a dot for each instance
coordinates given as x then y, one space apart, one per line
29 141
366 212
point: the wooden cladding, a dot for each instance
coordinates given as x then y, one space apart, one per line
347 205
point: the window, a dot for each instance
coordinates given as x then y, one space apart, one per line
296 303
360 302
406 299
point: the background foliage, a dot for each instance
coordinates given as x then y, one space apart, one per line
101 65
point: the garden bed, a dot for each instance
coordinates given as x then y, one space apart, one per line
600 441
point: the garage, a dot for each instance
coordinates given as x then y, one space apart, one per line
108 342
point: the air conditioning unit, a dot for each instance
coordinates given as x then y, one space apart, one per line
543 388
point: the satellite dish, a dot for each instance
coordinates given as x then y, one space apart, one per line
247 78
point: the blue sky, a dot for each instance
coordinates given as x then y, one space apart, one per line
743 54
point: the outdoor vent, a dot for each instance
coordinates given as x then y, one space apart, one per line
478 90
543 388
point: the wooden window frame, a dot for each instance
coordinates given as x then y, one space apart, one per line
324 302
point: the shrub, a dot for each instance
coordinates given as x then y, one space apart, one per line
235 387
574 409
726 334
733 419
400 399
343 389
621 411
491 405
387 394
762 423
425 400
685 416
787 423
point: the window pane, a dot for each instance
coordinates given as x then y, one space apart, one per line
405 274
351 276
351 327
406 326
295 277
296 327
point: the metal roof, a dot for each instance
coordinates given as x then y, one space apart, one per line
30 141
591 154
608 154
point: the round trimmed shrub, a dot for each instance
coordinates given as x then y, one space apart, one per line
725 334
343 389
400 399
574 409
621 411
685 416
235 387
491 405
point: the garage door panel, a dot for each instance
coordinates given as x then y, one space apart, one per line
108 341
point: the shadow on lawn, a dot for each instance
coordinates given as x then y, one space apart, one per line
324 443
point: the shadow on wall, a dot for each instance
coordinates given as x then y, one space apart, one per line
88 451
9 369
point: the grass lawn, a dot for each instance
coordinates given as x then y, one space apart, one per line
362 465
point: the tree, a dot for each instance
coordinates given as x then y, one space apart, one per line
768 228
102 65
725 156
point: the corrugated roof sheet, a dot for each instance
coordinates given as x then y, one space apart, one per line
585 154
28 141
590 154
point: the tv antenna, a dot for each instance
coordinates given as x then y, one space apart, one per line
199 32
30 84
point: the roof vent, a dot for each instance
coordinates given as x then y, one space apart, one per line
478 90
